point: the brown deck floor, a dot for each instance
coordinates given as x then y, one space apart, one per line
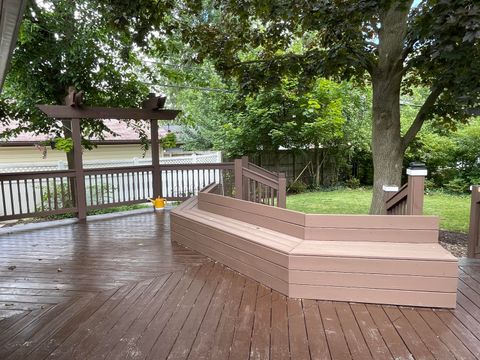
120 289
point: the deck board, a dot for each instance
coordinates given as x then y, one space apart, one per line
126 292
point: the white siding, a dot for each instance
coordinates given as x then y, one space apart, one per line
29 154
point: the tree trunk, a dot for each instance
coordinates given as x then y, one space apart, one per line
386 81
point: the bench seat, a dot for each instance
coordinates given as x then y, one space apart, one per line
399 273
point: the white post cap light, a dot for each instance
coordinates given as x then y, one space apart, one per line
417 169
388 188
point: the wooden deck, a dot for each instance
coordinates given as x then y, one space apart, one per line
120 289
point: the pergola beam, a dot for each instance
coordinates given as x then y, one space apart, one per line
86 112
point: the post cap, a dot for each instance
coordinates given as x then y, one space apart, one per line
417 168
390 188
417 165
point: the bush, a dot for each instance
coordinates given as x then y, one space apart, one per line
457 186
353 183
297 187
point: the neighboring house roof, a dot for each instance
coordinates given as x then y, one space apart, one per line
11 12
125 134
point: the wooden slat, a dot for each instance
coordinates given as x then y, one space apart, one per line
297 331
255 219
372 250
231 261
353 335
86 112
406 236
260 343
223 335
186 336
335 338
372 335
203 341
373 266
279 333
315 332
408 334
290 216
374 296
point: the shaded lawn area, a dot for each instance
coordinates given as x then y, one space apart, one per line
453 210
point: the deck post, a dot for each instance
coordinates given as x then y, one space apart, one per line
416 186
474 229
81 196
240 186
156 171
282 191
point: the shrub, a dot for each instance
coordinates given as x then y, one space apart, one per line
297 187
353 183
457 185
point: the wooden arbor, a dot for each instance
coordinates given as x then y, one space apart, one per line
74 110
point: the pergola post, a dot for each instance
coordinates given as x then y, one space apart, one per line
156 171
80 192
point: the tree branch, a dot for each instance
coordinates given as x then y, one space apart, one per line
421 116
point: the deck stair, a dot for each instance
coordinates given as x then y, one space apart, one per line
374 259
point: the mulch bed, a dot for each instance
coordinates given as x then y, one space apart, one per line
454 242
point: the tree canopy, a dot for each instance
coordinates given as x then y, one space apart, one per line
64 43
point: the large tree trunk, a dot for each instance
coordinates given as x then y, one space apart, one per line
386 79
386 142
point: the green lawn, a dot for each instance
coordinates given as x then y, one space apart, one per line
454 210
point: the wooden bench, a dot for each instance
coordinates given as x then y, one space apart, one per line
374 259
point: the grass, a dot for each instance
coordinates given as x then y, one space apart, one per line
453 210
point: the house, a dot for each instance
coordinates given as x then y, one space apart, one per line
125 145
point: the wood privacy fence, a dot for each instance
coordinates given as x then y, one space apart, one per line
474 230
36 194
408 200
255 184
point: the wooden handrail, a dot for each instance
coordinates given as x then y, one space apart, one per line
262 171
36 174
256 184
397 197
251 174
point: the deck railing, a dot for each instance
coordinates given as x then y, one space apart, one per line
473 250
408 200
253 183
37 194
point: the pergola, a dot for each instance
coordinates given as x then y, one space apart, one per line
74 110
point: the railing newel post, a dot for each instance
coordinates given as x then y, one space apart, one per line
238 173
474 227
416 187
282 191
